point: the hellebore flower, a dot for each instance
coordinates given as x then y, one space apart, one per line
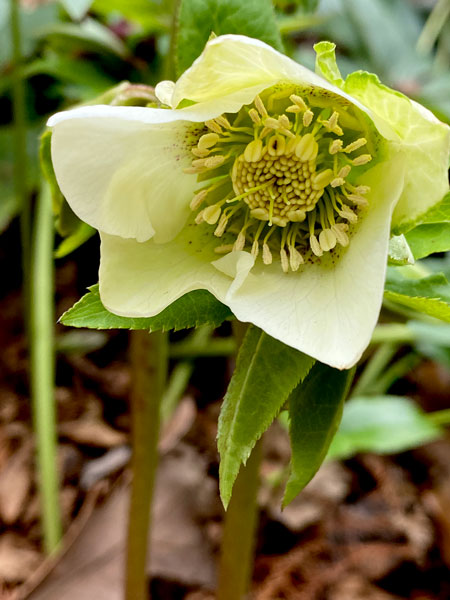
260 181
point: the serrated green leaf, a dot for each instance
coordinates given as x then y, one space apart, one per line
315 410
381 424
266 373
191 310
430 295
428 239
199 18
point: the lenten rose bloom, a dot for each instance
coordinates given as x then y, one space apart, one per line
273 187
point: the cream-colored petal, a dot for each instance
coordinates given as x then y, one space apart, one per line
121 168
164 92
232 69
329 311
141 279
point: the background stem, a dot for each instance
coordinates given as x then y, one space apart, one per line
238 541
43 369
148 354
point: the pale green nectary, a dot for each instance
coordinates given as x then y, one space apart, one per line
273 187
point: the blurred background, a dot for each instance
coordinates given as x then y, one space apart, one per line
374 524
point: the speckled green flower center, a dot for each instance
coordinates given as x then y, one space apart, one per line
279 175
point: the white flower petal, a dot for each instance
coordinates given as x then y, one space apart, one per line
164 91
121 168
329 311
142 279
232 69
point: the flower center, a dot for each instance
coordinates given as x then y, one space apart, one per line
281 177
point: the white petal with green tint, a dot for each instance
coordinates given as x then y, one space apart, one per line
423 139
121 168
232 69
329 312
141 279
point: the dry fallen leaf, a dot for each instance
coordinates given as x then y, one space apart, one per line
18 559
15 482
92 432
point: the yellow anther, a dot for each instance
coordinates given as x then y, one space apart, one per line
339 230
362 159
214 161
358 200
266 254
193 170
280 221
213 126
307 148
255 249
198 199
253 151
337 181
344 171
315 246
198 162
296 216
208 140
294 109
200 153
260 107
284 122
254 116
335 146
284 260
348 214
260 213
298 101
291 145
239 244
308 116
211 214
199 218
224 249
355 145
223 121
276 146
220 229
272 123
295 258
327 240
322 179
362 189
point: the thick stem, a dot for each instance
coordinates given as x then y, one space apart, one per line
148 353
238 541
20 150
43 369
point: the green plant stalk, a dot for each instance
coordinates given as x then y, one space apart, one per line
20 150
397 370
399 333
238 541
440 417
433 26
373 369
239 532
42 357
148 355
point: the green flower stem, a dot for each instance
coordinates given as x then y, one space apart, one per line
373 369
192 348
398 333
20 149
433 26
394 372
178 382
238 541
42 369
440 417
148 355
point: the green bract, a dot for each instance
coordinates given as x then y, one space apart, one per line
260 181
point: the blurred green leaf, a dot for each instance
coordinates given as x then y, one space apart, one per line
151 15
266 373
199 18
315 410
76 9
88 35
381 424
191 310
76 239
430 295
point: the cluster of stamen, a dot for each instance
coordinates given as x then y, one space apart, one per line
279 179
